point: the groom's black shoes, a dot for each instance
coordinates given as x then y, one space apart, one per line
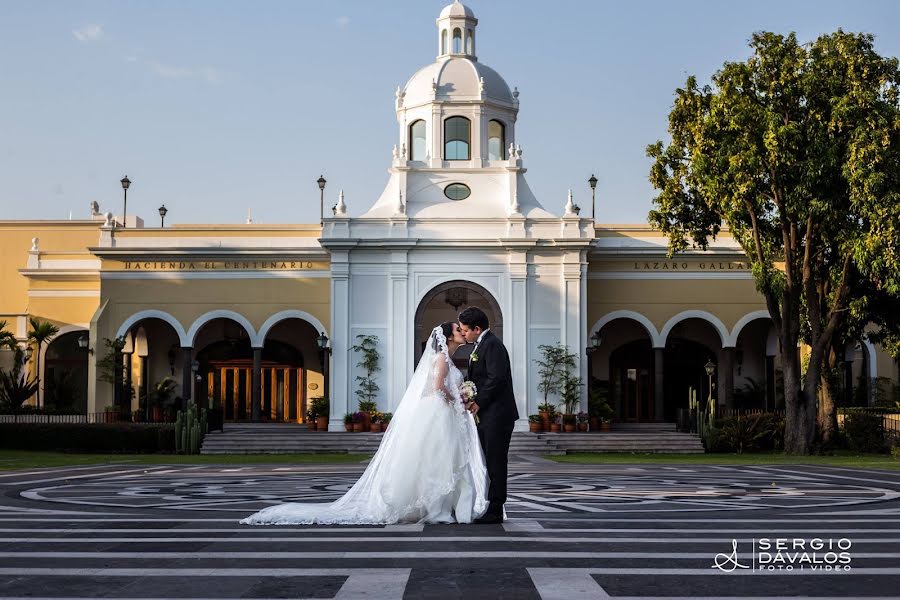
492 516
489 519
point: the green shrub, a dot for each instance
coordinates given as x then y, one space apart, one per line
112 438
864 431
746 433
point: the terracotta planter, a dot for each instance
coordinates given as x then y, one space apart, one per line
595 424
569 427
357 427
109 416
605 426
554 427
156 414
311 425
367 421
321 423
582 427
348 426
375 427
534 427
545 420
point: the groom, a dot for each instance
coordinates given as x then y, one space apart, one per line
494 404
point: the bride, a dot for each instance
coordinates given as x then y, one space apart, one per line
429 467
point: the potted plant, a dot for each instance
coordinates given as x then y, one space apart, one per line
535 422
161 397
386 420
357 422
554 365
599 410
368 408
321 409
348 422
109 413
375 422
582 419
367 391
311 419
571 396
555 426
546 411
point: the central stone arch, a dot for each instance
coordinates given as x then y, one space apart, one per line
443 303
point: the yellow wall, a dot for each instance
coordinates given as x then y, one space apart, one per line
69 238
661 299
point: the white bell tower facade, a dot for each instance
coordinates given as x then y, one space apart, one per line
455 225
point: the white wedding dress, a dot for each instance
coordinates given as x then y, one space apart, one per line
429 467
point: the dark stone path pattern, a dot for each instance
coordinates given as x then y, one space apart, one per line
574 532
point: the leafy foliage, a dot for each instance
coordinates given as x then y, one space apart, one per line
367 346
864 431
15 387
554 366
797 151
746 433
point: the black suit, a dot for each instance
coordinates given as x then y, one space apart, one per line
497 412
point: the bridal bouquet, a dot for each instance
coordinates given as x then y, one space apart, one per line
468 391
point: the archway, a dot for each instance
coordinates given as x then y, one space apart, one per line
291 368
65 374
690 344
443 303
621 367
152 353
631 383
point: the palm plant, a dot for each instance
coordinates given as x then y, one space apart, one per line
15 388
41 332
7 339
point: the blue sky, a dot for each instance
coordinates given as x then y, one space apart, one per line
218 107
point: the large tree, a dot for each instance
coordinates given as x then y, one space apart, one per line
797 151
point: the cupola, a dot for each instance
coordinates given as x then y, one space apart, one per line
456 31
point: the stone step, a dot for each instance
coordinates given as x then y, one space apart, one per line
291 438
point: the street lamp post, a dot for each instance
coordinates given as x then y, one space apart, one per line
321 181
195 366
163 211
710 368
125 184
593 183
324 353
593 347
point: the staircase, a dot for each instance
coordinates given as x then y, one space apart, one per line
654 438
290 438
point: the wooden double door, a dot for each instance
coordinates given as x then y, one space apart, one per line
282 391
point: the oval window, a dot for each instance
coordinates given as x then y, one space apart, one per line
457 191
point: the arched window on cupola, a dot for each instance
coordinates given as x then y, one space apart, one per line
417 140
496 140
470 42
444 41
457 41
456 138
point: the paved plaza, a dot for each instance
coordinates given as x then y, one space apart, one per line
574 532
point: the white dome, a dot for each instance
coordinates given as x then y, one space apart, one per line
457 9
456 78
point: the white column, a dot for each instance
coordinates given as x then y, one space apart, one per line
516 325
400 356
572 300
340 341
